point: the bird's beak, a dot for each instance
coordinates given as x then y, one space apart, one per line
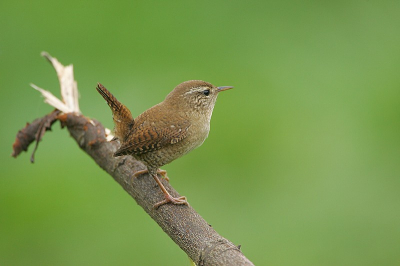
224 88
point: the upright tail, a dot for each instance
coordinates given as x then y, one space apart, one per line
123 120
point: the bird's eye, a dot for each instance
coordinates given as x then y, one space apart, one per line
206 92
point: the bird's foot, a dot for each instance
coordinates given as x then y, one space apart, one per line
163 173
168 198
138 173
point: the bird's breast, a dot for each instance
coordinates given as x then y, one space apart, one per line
198 133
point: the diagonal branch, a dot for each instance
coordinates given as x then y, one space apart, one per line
182 223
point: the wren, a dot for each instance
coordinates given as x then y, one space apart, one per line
167 130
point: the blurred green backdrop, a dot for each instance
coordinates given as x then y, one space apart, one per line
302 163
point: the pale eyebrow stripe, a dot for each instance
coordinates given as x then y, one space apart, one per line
196 89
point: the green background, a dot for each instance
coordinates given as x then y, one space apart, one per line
301 166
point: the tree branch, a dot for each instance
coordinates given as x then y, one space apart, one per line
182 223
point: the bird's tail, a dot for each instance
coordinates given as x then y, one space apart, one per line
123 120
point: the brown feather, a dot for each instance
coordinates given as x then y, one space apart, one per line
122 117
148 139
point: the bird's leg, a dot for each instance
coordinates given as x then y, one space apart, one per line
168 197
163 173
138 173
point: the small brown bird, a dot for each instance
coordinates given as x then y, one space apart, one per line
167 130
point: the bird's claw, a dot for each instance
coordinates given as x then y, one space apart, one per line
168 198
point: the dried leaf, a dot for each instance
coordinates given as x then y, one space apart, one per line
33 132
52 100
68 104
68 85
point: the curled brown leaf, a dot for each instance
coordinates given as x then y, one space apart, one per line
33 132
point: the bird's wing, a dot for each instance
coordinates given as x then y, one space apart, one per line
148 139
